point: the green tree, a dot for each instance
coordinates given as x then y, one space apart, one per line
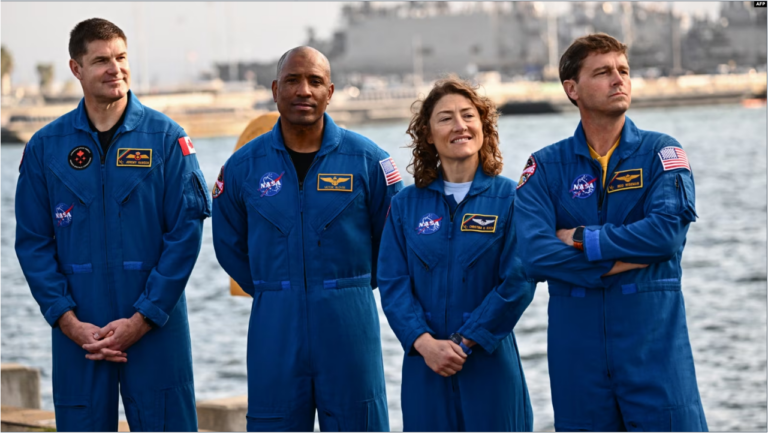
7 61
45 70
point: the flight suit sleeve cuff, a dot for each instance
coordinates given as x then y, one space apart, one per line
408 342
64 304
592 244
152 311
479 335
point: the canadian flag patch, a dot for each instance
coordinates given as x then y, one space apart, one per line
187 148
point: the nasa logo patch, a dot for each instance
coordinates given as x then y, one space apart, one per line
428 224
583 186
63 214
270 184
80 157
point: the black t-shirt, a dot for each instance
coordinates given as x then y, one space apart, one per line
105 138
301 162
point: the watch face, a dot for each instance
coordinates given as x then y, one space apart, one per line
578 235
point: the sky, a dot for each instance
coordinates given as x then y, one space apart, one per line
172 42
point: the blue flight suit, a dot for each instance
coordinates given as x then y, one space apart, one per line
441 274
307 253
619 355
107 236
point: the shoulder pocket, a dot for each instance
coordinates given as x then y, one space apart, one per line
196 199
686 196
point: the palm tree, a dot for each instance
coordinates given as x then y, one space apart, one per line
6 66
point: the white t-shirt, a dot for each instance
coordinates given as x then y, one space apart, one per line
458 190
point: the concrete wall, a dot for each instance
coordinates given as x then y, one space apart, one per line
20 386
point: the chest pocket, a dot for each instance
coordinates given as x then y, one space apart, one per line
70 202
424 256
343 230
139 197
269 228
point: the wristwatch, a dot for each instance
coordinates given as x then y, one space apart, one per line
456 338
578 238
149 322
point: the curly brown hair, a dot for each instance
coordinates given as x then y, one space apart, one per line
426 162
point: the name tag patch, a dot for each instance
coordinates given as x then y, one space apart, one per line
473 222
134 158
627 179
334 182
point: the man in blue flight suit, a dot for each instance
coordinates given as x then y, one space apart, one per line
110 206
297 219
603 216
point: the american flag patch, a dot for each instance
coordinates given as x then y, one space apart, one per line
674 157
391 173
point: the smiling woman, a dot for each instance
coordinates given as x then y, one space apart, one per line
453 292
454 129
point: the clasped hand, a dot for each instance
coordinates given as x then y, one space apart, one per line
108 343
444 357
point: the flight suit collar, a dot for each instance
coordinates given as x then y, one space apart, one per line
134 112
331 136
480 182
629 142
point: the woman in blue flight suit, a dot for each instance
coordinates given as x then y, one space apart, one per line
451 284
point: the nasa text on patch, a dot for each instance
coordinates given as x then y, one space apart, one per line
428 224
583 186
130 157
63 214
334 182
271 183
473 222
626 179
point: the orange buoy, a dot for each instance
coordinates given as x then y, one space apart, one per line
258 126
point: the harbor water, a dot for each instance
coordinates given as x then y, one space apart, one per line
724 268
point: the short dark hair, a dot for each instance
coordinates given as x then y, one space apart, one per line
93 29
581 48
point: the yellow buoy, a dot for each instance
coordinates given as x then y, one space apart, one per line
258 126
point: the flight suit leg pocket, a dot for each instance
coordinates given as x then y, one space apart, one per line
266 421
146 411
197 202
73 413
572 425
